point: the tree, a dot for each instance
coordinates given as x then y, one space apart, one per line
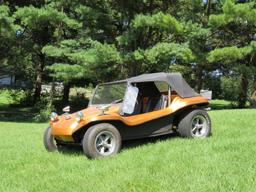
148 45
77 41
194 15
7 34
82 59
235 48
42 26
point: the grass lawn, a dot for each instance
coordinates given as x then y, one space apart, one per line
224 162
221 104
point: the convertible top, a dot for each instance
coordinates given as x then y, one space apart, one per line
175 80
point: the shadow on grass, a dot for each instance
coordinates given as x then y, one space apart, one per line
129 144
126 145
71 150
217 106
16 113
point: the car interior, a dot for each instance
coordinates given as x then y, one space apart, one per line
152 96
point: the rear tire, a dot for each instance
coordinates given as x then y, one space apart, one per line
49 142
101 140
195 124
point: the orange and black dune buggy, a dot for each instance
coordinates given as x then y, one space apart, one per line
143 106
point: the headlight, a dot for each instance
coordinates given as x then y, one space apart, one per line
79 116
53 116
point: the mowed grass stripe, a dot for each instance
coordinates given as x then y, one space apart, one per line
223 162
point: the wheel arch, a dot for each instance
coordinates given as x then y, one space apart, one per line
78 135
185 110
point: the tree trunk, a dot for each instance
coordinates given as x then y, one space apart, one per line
243 92
208 8
253 98
52 93
65 97
199 80
39 79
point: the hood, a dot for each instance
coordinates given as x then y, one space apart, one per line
95 111
88 113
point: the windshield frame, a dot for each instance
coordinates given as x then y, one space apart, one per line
104 84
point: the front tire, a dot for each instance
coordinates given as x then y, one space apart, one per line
49 142
195 124
101 140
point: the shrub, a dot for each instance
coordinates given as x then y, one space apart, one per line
44 107
230 87
12 96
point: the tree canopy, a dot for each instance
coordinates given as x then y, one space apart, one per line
81 42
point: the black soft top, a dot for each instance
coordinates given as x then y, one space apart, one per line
175 80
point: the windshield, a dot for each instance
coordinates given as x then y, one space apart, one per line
108 93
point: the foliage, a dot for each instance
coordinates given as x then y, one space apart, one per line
86 58
229 55
12 96
159 20
7 26
167 54
33 17
235 28
44 108
230 87
242 14
82 42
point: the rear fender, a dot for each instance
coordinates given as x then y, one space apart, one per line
185 110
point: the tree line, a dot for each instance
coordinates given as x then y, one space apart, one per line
78 42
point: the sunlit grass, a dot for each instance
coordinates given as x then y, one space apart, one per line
223 162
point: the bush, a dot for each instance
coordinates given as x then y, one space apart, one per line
45 108
230 87
12 96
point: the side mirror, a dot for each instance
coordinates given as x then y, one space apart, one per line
130 99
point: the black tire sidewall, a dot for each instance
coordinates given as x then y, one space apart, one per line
49 143
88 142
185 123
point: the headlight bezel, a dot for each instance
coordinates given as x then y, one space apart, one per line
53 116
79 116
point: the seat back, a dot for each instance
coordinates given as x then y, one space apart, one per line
156 103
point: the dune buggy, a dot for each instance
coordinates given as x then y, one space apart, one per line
143 106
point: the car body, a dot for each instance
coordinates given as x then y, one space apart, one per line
143 106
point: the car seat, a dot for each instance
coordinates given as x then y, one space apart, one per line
156 103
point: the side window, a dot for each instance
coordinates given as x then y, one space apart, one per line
163 88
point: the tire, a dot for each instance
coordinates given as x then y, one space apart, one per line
195 124
49 142
101 140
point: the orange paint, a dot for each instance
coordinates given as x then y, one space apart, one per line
64 128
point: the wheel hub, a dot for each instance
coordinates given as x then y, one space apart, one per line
199 126
105 143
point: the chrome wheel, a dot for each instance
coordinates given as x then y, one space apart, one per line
105 143
199 126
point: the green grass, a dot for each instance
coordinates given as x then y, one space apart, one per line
221 104
223 162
